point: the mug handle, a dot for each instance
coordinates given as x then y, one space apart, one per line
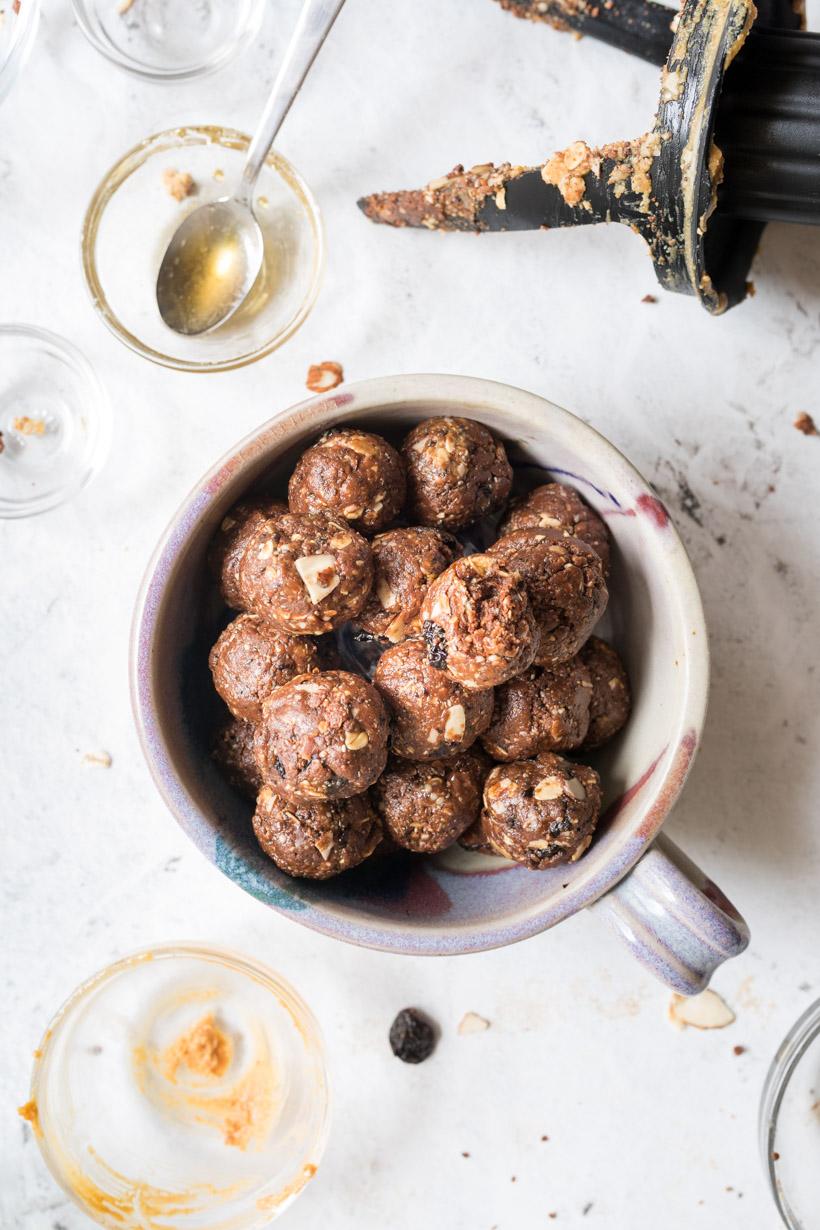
675 921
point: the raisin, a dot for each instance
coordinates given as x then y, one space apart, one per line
436 644
412 1037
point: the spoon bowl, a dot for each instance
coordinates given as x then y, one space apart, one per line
215 256
209 267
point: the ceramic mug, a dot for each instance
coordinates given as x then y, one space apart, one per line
676 921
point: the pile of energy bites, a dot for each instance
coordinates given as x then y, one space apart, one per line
488 671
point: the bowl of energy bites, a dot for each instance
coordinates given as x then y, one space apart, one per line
422 664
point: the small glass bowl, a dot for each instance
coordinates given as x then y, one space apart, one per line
18 29
133 216
789 1126
54 420
183 1086
170 40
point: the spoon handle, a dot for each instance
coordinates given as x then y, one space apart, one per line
312 28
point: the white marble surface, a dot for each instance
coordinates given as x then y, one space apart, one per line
646 1126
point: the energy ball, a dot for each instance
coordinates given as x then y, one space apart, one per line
565 581
322 736
233 752
541 812
236 529
353 474
306 573
558 507
433 715
253 657
544 710
477 622
425 806
316 840
457 472
405 563
611 699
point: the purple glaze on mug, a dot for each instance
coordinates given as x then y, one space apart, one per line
457 902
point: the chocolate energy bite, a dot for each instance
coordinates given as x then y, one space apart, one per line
457 472
554 506
541 812
251 658
611 700
353 474
322 736
425 806
542 710
233 751
319 839
235 531
306 573
406 562
565 581
477 622
433 715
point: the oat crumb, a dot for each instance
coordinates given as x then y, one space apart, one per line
178 184
806 424
322 377
29 427
472 1023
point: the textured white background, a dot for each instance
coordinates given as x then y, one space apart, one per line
647 1127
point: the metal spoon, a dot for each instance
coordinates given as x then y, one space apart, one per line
215 255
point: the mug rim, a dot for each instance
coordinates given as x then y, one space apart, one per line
268 440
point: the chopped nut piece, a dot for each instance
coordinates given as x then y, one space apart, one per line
704 1011
318 572
324 376
355 740
575 788
456 722
178 184
29 427
472 1023
805 423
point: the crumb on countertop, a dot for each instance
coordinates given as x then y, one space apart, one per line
739 1050
324 376
472 1023
704 1011
2 443
124 6
649 299
806 424
178 184
29 427
103 759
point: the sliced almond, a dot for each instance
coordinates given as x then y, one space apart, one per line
396 628
456 723
576 789
227 524
472 1023
352 512
324 845
339 541
319 575
704 1011
384 593
355 740
548 788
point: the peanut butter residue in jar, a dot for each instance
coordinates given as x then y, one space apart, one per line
205 1050
195 1072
